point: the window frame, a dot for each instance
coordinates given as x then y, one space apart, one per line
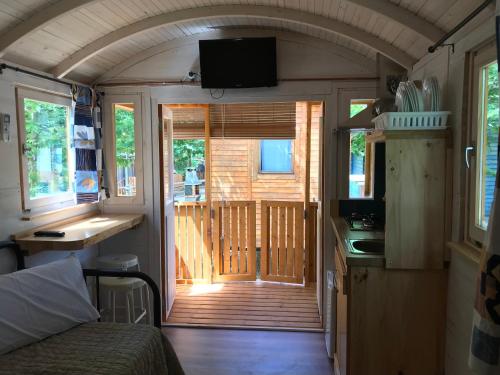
59 200
342 134
369 160
480 58
292 158
110 150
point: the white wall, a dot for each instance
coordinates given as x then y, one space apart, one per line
449 67
10 193
298 57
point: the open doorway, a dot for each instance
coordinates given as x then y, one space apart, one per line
247 247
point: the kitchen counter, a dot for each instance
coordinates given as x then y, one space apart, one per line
344 234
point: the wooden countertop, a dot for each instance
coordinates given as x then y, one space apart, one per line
81 231
344 234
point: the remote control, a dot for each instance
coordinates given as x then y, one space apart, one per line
49 233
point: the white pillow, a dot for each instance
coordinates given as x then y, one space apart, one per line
41 301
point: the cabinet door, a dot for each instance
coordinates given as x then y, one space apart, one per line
341 341
415 203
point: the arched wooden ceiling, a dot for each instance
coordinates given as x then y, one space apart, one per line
71 37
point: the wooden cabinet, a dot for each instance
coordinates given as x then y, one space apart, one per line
389 322
416 176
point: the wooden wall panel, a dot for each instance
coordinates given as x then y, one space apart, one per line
235 168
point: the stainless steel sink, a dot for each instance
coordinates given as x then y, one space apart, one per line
367 246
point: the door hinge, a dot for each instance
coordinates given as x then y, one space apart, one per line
305 214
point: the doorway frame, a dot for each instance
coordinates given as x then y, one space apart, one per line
326 91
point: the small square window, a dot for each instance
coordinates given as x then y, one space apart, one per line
276 156
46 158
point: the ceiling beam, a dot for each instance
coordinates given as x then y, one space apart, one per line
356 58
403 16
39 19
263 12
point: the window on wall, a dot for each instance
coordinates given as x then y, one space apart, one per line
276 156
46 159
484 134
487 142
360 165
125 150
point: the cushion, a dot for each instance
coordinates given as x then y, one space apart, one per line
42 301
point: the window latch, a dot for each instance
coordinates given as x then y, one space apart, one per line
468 151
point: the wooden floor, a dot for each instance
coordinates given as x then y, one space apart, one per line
243 352
246 304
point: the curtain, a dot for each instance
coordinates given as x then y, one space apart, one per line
87 144
484 356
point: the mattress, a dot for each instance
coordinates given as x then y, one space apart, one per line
98 349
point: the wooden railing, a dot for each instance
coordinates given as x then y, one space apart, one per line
282 243
192 242
234 240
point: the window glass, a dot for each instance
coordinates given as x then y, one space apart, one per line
276 156
46 148
124 122
356 108
487 142
357 166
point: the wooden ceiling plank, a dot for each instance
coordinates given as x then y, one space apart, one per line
403 16
266 12
39 20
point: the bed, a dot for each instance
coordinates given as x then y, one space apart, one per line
97 348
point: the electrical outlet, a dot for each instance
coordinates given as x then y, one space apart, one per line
5 126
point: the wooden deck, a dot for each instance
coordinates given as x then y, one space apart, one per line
260 305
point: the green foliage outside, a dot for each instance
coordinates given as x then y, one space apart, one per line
493 103
358 138
46 128
188 153
125 137
356 108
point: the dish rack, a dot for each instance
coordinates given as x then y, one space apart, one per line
411 120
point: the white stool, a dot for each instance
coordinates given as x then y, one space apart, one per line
119 262
127 286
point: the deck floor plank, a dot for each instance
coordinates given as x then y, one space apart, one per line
246 304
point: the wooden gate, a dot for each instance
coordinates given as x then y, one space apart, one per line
192 240
234 240
282 243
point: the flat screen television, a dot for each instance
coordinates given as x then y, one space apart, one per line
238 63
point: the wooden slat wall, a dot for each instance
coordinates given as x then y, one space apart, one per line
192 243
234 240
233 164
282 243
